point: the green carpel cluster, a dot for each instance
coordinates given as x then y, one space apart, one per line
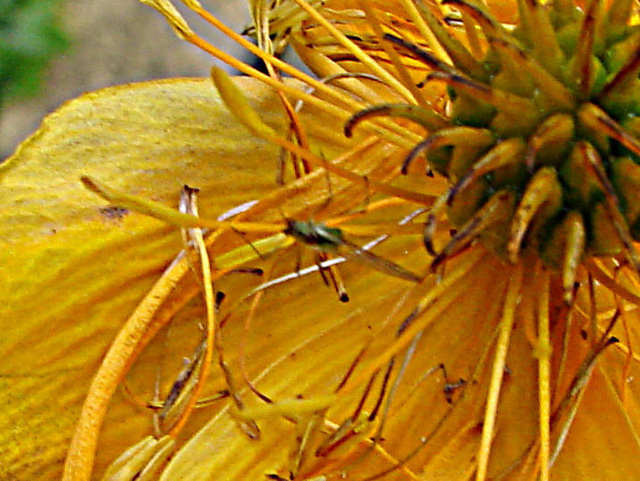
541 138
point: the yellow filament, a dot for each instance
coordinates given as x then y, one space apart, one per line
370 207
231 94
428 311
174 217
168 11
141 460
425 31
356 51
169 215
287 407
271 60
393 55
544 372
491 410
333 427
401 137
207 285
596 270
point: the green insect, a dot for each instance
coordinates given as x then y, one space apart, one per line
331 240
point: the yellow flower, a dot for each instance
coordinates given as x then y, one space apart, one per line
491 312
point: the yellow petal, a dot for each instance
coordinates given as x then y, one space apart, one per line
310 348
604 441
72 268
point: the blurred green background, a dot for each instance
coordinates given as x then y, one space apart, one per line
54 50
31 34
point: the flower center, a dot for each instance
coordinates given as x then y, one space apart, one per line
539 136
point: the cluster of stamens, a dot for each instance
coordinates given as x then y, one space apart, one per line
538 140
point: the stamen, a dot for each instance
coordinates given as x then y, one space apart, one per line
189 198
316 101
397 464
327 80
405 362
458 446
260 18
268 59
257 298
568 408
173 17
624 375
286 407
543 352
565 320
489 25
393 56
426 33
142 461
593 310
362 92
239 106
160 211
352 426
334 276
173 408
245 422
425 117
429 59
455 50
339 97
596 269
370 207
491 410
81 454
427 312
138 330
356 51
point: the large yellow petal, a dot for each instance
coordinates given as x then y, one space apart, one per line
71 270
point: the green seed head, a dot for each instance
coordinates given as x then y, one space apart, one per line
540 141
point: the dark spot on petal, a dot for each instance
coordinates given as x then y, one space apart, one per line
113 212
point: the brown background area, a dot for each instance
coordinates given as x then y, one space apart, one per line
116 42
